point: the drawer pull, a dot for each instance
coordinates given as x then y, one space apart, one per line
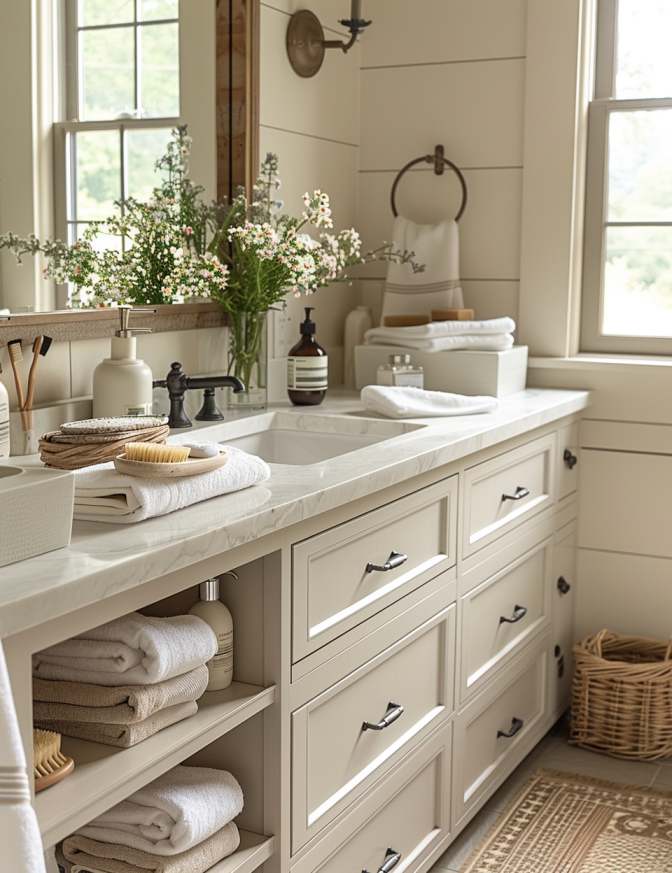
519 612
519 495
570 459
392 858
394 711
516 727
395 560
563 585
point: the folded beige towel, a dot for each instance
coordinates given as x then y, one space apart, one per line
122 735
55 700
111 858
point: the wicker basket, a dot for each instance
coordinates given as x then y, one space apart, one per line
622 696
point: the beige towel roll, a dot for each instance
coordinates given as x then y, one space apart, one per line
82 702
122 735
110 858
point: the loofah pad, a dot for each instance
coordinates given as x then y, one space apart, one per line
113 425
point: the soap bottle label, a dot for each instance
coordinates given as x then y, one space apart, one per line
222 661
307 373
138 409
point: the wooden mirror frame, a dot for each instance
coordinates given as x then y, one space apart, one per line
237 155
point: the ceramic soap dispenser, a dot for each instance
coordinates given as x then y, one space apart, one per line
307 367
211 609
122 384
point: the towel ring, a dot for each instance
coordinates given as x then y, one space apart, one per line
440 162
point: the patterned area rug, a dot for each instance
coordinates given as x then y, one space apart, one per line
565 823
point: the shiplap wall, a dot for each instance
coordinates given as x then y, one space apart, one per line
451 72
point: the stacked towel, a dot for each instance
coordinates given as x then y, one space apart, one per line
124 681
102 494
494 334
180 823
437 286
407 402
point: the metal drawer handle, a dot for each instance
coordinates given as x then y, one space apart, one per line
563 585
519 495
516 727
394 711
395 560
570 459
392 858
519 612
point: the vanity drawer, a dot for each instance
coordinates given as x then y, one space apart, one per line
380 828
340 577
337 754
502 493
563 596
568 459
502 614
497 730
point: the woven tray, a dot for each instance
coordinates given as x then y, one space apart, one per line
74 456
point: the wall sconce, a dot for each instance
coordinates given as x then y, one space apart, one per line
306 45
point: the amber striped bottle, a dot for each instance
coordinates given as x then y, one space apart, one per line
307 367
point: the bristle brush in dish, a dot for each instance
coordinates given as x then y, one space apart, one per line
156 454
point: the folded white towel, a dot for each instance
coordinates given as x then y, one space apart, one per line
436 246
19 832
102 494
441 329
485 343
401 402
175 812
132 650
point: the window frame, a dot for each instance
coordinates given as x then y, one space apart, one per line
601 108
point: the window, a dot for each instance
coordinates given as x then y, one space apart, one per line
627 290
122 98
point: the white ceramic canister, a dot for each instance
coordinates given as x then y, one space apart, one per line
357 323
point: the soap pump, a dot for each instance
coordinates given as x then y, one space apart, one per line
307 367
122 384
211 609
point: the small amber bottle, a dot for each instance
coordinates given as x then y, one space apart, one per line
307 367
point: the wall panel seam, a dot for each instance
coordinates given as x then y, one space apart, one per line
352 145
442 63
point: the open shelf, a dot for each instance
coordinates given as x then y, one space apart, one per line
104 775
251 854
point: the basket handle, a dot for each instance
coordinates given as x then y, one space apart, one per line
598 640
668 653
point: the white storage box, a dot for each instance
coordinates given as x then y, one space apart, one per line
495 374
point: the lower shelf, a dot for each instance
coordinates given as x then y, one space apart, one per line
105 775
252 852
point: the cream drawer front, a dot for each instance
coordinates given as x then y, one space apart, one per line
335 585
335 757
422 786
505 491
501 615
568 459
563 594
491 734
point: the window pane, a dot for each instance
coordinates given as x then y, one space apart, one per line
159 77
93 12
143 149
640 166
638 282
98 174
149 10
643 65
101 241
106 73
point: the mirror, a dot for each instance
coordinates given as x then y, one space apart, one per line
90 91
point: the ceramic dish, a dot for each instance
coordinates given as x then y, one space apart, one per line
152 470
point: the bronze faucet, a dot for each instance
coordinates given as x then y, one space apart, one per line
177 383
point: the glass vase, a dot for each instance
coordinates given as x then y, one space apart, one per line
248 359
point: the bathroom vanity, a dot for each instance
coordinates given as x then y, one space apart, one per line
403 609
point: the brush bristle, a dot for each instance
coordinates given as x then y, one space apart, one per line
15 350
47 755
155 453
46 343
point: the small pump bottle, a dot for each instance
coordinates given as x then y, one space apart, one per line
211 609
122 385
307 367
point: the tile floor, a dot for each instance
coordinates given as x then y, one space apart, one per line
553 753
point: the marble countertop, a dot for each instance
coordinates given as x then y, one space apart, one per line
105 559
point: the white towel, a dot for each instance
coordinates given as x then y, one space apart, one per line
401 402
436 246
493 335
175 812
19 832
102 494
132 650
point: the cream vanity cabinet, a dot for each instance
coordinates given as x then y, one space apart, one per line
395 660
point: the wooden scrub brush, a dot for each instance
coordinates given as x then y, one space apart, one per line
50 765
156 454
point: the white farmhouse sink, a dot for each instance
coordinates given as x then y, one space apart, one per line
299 439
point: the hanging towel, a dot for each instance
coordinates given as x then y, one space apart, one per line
123 736
19 832
437 247
493 334
401 402
172 814
126 704
102 494
87 854
132 650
